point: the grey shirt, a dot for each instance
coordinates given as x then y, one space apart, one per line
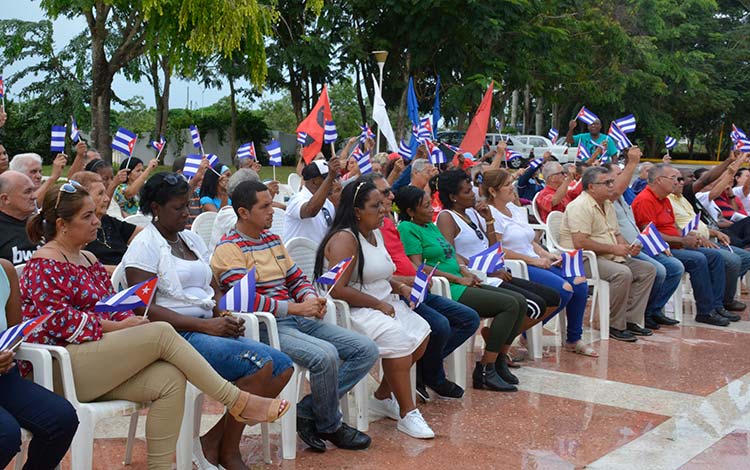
626 220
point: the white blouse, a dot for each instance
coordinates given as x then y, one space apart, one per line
517 234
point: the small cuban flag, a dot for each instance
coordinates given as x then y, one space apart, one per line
193 161
553 134
158 144
583 153
139 295
335 272
196 136
363 161
498 125
302 138
57 142
737 134
670 142
652 241
404 150
421 282
743 145
626 123
587 116
2 87
274 153
366 133
124 141
490 260
247 151
572 264
536 163
453 148
75 134
436 155
15 335
329 133
241 297
511 155
691 225
618 135
425 130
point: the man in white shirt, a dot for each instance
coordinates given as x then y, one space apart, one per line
309 212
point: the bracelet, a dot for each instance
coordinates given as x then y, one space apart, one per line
490 222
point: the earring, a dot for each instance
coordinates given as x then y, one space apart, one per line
156 218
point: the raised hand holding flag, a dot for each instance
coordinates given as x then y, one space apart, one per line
241 297
75 134
626 123
366 133
587 116
404 150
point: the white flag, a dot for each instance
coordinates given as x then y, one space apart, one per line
380 116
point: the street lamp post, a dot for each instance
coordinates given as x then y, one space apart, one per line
380 57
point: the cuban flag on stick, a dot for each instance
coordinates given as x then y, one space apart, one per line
193 161
75 134
2 91
652 241
159 145
737 134
57 142
274 153
363 160
490 260
511 155
139 295
124 141
404 150
553 134
743 145
583 153
586 116
366 133
691 225
626 123
436 155
670 142
11 338
424 132
421 281
196 136
618 135
498 126
241 297
247 151
536 163
572 264
334 274
302 138
330 134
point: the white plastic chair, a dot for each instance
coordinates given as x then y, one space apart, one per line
535 210
285 193
302 251
19 269
294 181
455 364
203 225
140 220
118 280
279 221
534 336
600 296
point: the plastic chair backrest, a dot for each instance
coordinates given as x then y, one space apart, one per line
203 225
139 220
279 221
302 251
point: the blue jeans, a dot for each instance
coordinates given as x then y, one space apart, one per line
736 262
669 271
573 301
707 276
234 358
452 323
320 347
49 417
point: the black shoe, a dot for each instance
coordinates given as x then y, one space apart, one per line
485 376
448 390
309 435
711 318
664 320
503 370
735 306
651 324
346 437
422 392
622 335
637 330
722 312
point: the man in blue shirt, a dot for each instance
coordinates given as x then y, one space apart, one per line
592 139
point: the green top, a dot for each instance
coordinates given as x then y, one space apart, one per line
426 240
586 140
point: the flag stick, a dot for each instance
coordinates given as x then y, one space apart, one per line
334 284
158 154
274 172
145 312
333 150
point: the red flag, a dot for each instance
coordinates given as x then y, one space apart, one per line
474 138
314 125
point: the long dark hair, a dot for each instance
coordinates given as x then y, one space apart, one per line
210 185
354 195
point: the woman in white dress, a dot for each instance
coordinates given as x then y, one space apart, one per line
372 292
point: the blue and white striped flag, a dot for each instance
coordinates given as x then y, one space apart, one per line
436 155
424 132
652 241
193 161
335 272
57 142
572 264
363 161
330 134
124 141
737 134
490 260
743 145
421 283
366 133
626 123
498 125
691 225
274 153
404 150
302 138
536 163
241 297
587 116
196 136
583 153
139 295
158 144
618 135
247 151
75 134
16 334
670 142
553 134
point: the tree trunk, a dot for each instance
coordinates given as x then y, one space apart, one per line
401 123
295 91
233 124
514 109
526 109
101 93
539 119
161 96
555 116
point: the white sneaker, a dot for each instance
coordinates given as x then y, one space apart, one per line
414 425
199 459
385 408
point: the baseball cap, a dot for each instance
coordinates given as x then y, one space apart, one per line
314 169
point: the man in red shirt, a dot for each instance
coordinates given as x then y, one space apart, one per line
555 196
705 265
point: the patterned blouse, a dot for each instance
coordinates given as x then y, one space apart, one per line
127 206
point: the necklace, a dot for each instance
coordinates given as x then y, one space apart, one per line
104 240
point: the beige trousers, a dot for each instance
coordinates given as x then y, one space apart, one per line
629 287
148 363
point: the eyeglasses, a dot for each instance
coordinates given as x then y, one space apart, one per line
673 178
607 183
386 192
71 187
680 179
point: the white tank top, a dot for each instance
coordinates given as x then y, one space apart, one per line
468 241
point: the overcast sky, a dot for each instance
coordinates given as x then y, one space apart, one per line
65 29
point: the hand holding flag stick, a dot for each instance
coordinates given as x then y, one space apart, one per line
334 274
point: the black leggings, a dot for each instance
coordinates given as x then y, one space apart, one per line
538 296
505 307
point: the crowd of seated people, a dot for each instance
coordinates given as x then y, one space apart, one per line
436 221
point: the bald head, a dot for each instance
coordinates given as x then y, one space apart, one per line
11 180
16 195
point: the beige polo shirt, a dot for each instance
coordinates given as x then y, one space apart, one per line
585 215
684 213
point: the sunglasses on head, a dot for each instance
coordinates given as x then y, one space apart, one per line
71 187
172 179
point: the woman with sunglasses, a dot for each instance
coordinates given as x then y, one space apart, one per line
518 239
126 194
187 297
116 355
469 226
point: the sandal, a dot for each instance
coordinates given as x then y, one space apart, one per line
579 347
276 409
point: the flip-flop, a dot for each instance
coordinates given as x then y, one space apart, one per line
581 348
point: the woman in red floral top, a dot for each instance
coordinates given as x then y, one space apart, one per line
116 355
